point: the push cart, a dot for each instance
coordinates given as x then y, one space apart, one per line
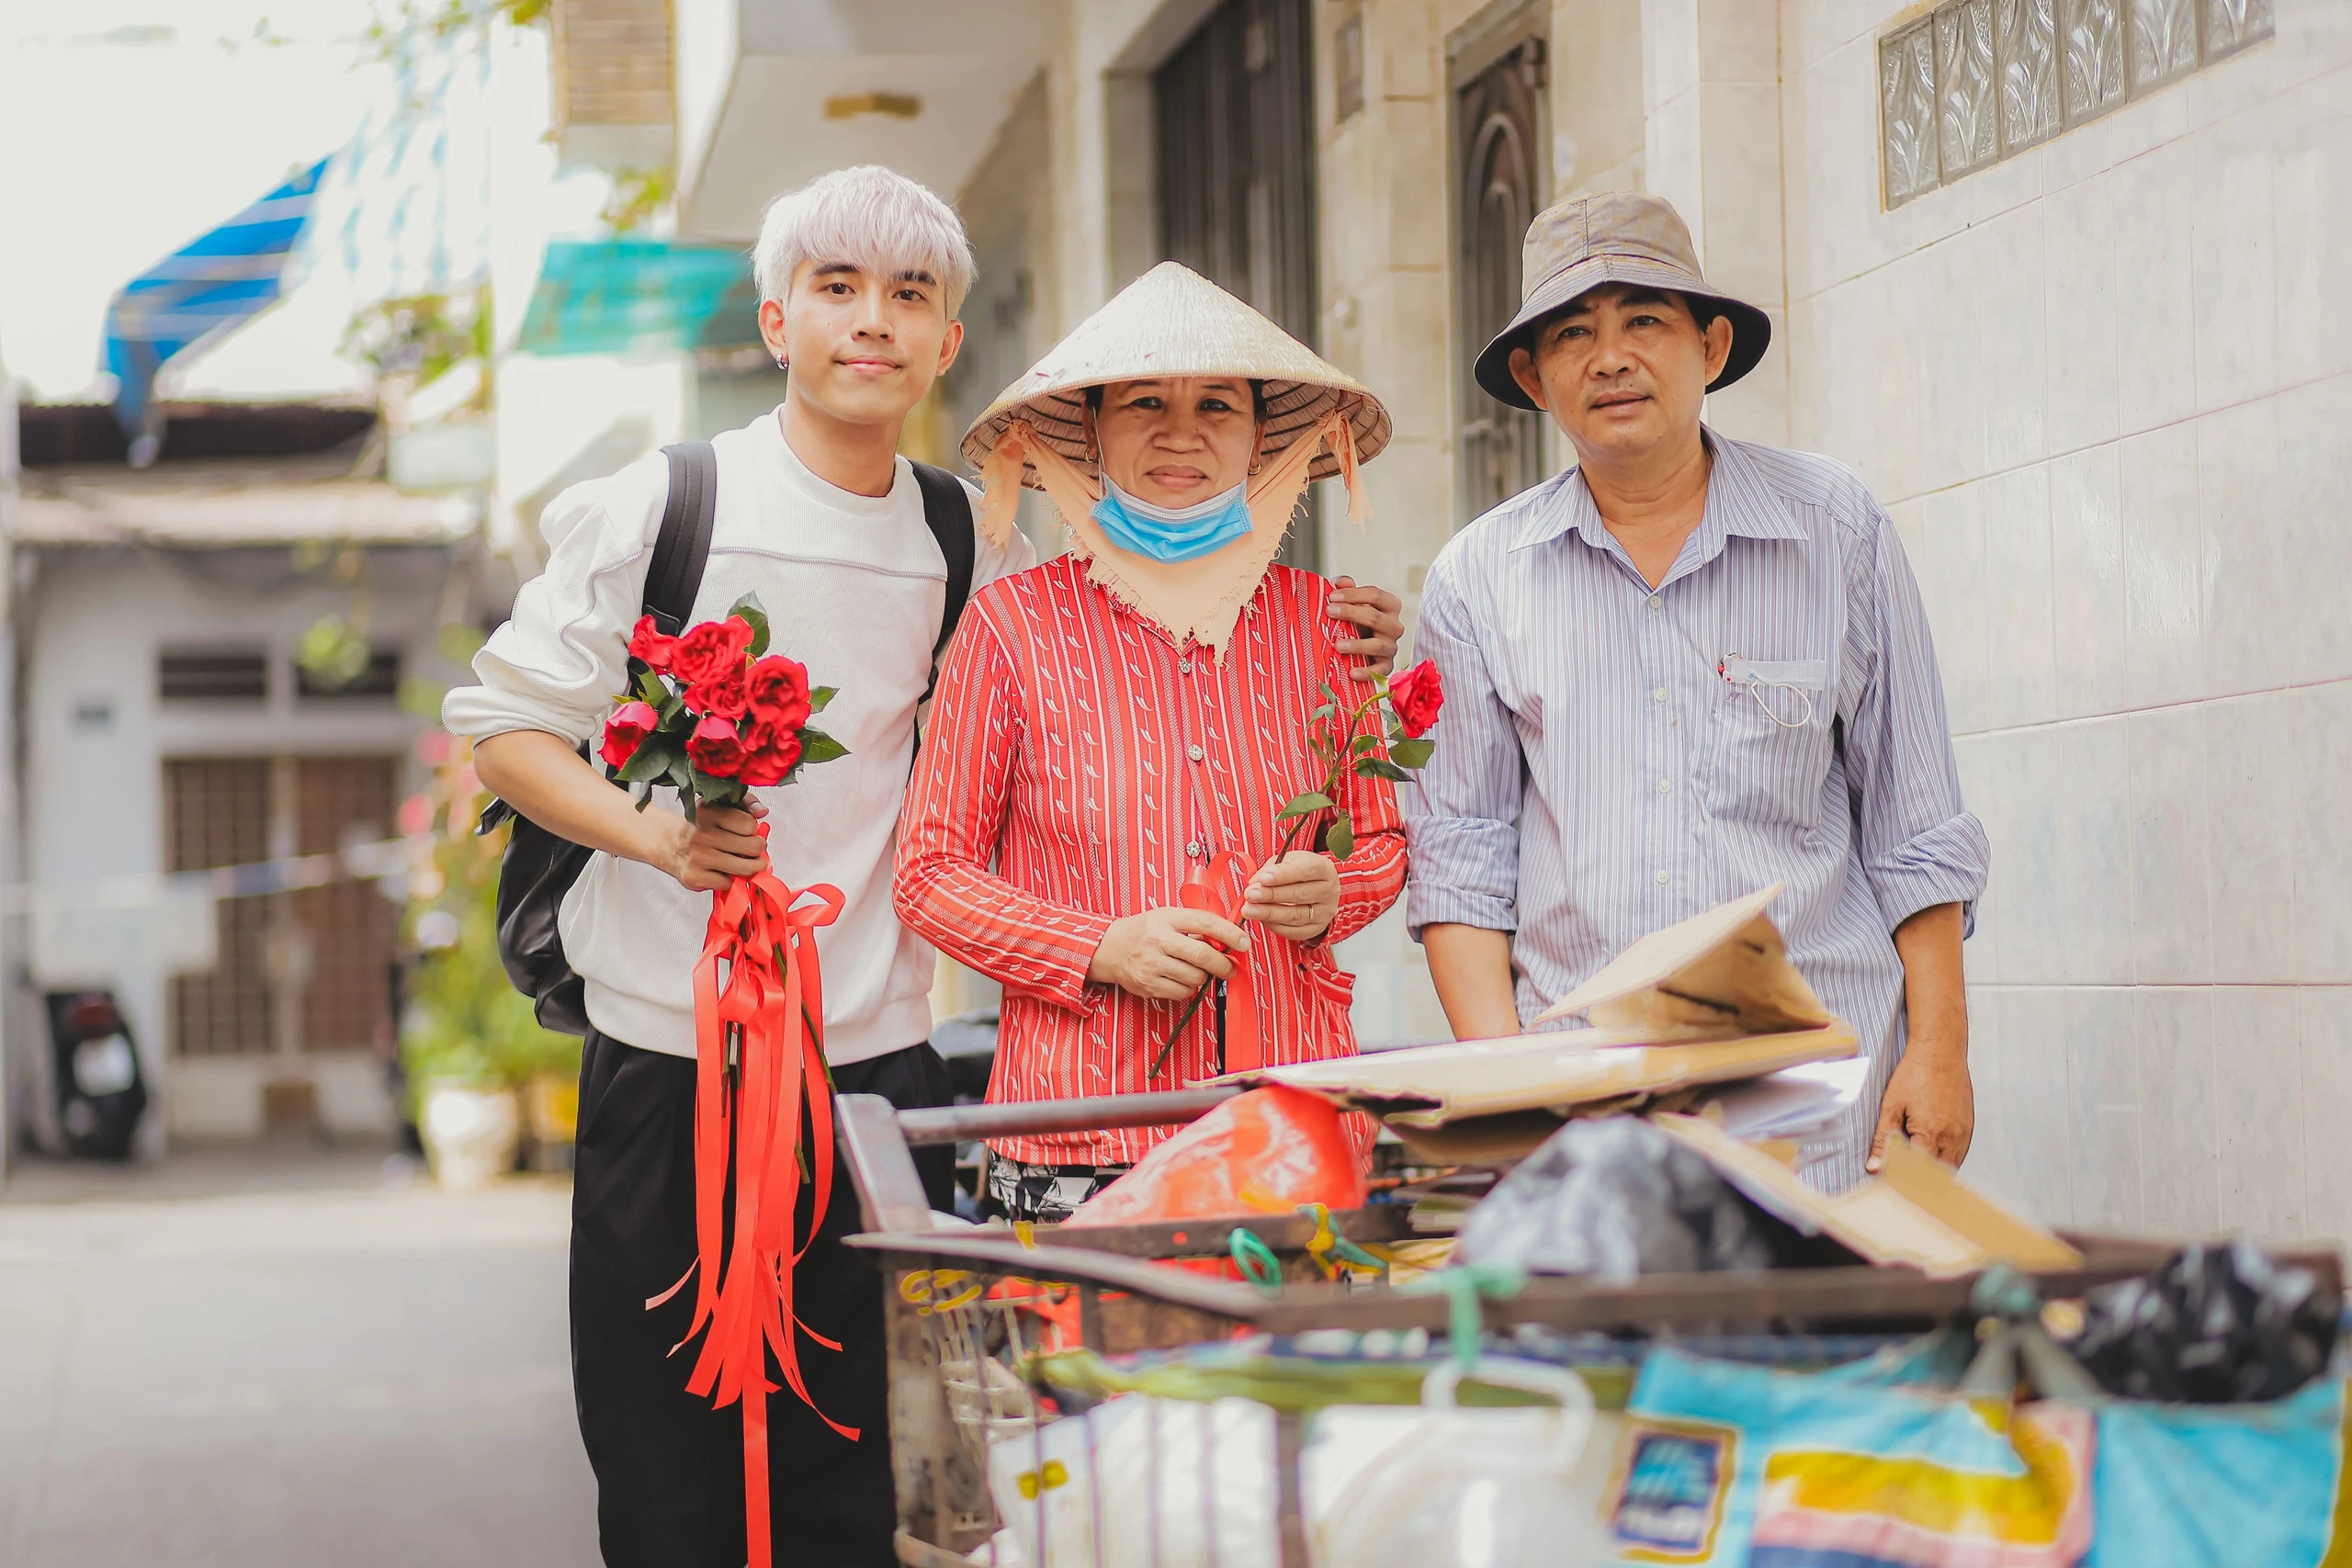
996 1338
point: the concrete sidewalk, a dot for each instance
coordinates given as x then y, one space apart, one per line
273 1358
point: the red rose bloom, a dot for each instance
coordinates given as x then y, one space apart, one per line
716 747
1416 697
772 747
727 693
649 647
627 730
780 687
708 652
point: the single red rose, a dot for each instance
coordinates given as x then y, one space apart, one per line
772 749
782 685
1416 697
727 693
709 650
649 647
716 747
627 730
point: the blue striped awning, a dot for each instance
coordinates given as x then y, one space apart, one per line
614 296
213 282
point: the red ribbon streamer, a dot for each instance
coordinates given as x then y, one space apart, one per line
1221 889
759 1058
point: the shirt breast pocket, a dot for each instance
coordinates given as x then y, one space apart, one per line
1768 741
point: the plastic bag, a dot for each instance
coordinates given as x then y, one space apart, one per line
1264 1152
2213 1326
1614 1198
1477 1488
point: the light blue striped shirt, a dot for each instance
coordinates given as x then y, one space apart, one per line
1602 771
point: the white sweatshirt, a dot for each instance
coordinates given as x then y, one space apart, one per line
853 586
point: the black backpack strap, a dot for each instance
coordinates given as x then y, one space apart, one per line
683 548
948 512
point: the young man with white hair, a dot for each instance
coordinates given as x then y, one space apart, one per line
861 274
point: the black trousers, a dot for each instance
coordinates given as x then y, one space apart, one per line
670 1467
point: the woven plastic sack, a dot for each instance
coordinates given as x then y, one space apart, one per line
1726 1464
1268 1151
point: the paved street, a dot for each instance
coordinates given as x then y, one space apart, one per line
280 1358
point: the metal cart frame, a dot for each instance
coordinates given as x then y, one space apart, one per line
1126 1301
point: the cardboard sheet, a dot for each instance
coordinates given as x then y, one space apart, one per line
1917 1212
1713 1000
1429 1085
1724 973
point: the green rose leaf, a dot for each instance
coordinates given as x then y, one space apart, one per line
816 746
650 690
820 696
644 793
1341 840
1301 805
1412 754
1364 744
651 760
1381 768
747 607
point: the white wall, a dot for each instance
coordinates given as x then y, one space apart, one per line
2104 389
95 808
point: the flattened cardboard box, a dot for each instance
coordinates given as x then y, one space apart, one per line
1714 999
1917 1212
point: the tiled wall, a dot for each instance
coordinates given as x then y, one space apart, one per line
2105 387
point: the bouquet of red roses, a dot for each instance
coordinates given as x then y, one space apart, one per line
714 712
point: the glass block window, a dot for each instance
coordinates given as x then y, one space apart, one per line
1977 81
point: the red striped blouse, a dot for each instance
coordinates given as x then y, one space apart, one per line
1079 766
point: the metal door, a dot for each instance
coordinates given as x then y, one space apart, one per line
1498 182
1233 111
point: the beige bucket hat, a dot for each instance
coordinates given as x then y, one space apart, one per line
1618 236
1173 322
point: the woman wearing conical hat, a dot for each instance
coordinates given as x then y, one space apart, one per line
1113 725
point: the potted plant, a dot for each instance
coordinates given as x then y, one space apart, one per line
468 1041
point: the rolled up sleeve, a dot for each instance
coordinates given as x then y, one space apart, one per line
1919 845
555 663
1462 810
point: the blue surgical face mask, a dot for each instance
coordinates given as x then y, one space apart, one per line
1173 533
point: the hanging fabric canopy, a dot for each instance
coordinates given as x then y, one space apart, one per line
612 296
213 282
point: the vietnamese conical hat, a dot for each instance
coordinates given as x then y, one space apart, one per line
1173 322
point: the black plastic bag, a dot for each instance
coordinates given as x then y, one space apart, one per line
1613 1198
2214 1325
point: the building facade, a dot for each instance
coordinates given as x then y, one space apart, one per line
167 726
2055 276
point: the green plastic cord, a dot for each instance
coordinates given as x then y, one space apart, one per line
1256 1260
1463 1286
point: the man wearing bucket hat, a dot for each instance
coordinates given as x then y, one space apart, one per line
1685 669
1115 724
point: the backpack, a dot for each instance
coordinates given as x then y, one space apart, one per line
540 867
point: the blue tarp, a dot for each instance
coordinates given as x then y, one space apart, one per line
214 282
612 296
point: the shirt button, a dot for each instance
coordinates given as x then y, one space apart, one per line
1664 786
1193 850
1183 667
1658 696
1661 879
1195 752
1657 602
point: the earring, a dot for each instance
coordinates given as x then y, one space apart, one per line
1256 464
780 363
